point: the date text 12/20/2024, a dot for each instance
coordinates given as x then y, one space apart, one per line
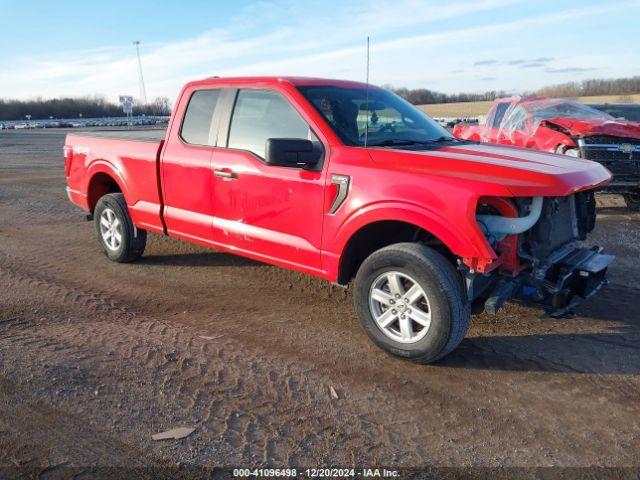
316 472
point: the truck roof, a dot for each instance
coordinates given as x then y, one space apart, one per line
273 80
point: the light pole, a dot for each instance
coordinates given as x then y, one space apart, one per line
143 90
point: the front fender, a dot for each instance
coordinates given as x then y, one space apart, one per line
461 235
548 140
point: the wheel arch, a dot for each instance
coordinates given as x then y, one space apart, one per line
102 180
381 227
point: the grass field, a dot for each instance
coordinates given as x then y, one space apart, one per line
472 109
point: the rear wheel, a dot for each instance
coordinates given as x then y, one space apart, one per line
411 302
633 201
119 238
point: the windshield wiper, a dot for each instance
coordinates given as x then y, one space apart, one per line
393 143
406 142
445 138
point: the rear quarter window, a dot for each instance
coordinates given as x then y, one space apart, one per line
196 126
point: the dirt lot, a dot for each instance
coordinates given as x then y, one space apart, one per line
96 357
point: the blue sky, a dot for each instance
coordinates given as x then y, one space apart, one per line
68 48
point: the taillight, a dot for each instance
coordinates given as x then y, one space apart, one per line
68 155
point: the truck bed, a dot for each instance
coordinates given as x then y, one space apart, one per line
138 135
111 160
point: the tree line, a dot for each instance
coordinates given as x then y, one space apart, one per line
423 96
87 107
618 86
96 107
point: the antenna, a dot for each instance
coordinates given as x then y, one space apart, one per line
143 91
366 100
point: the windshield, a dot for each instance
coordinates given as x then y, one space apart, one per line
543 110
389 119
629 112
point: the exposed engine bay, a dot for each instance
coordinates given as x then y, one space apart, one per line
562 220
539 260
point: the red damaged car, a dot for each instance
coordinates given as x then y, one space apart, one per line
566 127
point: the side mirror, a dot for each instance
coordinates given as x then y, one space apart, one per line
290 152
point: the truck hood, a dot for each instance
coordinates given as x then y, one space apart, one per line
495 168
596 126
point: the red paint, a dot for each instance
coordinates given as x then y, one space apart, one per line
280 215
616 128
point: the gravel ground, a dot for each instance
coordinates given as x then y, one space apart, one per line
95 357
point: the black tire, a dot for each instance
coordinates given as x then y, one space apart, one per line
442 284
133 239
633 201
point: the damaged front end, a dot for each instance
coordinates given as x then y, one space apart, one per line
571 128
540 260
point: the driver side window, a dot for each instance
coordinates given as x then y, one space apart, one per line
262 114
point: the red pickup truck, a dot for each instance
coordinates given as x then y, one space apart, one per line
565 126
346 182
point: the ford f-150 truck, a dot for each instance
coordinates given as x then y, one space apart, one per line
565 126
348 182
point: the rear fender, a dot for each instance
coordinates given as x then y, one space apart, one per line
103 167
467 132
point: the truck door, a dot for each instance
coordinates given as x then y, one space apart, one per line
186 167
512 130
269 212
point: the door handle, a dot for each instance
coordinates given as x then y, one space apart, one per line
225 174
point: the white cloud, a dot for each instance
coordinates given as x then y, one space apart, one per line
305 40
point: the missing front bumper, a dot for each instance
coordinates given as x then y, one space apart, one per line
558 286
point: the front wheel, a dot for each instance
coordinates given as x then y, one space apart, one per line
411 302
633 201
119 238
